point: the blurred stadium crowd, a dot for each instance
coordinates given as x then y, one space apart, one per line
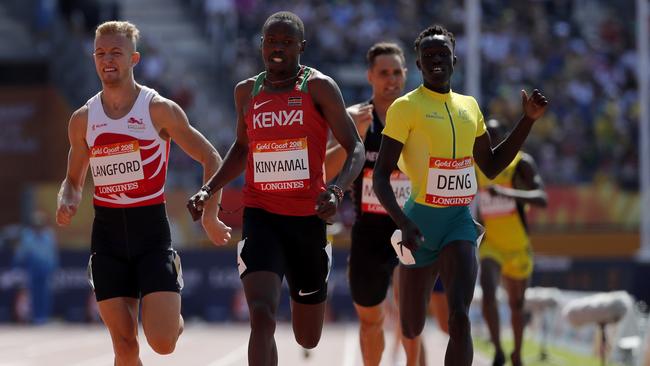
580 53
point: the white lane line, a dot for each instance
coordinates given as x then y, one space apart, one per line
350 346
231 358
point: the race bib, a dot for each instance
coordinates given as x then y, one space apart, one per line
369 201
451 182
116 164
281 165
495 206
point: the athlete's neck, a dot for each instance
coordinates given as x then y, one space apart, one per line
381 107
282 79
442 89
119 99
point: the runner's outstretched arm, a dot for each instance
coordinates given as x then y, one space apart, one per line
69 195
386 163
235 161
532 191
171 121
329 100
493 160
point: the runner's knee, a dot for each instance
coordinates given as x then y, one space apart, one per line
308 341
126 347
489 294
163 344
412 328
516 304
489 300
488 286
459 325
371 319
262 316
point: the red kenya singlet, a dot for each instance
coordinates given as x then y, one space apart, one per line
287 140
128 159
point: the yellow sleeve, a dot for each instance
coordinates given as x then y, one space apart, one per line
398 121
480 124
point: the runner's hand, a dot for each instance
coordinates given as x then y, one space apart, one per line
412 237
326 205
196 203
362 117
218 232
494 190
67 203
64 213
535 105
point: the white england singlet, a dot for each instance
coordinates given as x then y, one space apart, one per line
128 159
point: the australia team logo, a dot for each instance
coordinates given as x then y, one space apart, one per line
463 114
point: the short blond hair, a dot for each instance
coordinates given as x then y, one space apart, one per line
126 28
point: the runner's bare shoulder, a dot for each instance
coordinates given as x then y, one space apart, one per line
243 92
318 80
79 120
160 104
323 88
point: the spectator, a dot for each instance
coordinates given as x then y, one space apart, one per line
37 254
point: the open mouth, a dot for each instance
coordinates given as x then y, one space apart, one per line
277 59
109 69
437 70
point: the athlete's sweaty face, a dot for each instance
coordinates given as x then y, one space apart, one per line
281 47
436 61
114 57
387 77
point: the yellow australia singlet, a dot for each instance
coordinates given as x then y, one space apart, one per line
504 226
506 238
438 133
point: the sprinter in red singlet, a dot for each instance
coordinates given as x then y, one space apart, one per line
123 133
283 117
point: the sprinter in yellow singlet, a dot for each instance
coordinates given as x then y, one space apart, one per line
505 250
437 135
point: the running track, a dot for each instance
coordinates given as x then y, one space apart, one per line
202 344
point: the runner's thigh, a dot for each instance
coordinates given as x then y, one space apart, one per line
308 257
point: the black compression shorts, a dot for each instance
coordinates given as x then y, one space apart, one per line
371 263
291 246
131 253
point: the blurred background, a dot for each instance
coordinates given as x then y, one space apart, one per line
585 55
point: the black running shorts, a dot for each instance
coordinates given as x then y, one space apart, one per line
291 246
371 263
131 253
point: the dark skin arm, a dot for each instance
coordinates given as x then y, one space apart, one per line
531 188
235 161
329 101
493 160
386 163
335 157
